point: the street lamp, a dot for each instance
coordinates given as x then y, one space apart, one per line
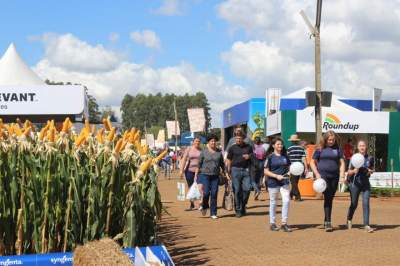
315 31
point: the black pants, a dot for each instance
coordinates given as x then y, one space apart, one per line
294 192
329 194
190 180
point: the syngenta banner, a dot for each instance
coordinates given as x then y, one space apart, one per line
42 100
344 121
332 122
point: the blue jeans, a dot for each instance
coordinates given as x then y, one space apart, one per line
241 188
210 186
354 194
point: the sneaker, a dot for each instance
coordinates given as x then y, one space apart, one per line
273 227
369 229
349 225
244 212
200 208
286 228
203 211
214 217
328 227
256 195
238 215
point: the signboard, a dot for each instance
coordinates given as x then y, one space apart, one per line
344 121
146 254
274 124
197 120
376 99
273 96
42 100
171 128
150 140
384 180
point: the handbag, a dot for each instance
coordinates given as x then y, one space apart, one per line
227 204
221 180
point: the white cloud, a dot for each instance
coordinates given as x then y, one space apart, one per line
359 44
68 52
147 38
109 86
170 8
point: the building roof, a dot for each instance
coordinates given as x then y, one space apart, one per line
15 72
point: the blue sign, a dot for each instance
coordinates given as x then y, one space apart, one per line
67 258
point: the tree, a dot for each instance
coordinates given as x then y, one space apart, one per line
94 114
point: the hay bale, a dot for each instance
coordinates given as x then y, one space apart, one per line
105 252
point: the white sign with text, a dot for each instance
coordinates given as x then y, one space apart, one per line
42 100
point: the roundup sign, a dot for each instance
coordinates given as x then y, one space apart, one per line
332 122
344 121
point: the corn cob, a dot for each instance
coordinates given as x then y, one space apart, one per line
111 135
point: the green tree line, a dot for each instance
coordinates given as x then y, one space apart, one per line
151 111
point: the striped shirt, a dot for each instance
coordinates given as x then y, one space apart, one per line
296 153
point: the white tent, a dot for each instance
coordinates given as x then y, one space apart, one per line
15 72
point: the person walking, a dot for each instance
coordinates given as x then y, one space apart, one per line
257 166
296 153
211 164
276 169
328 164
348 152
238 165
358 179
189 165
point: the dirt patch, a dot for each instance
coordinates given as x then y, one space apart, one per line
193 239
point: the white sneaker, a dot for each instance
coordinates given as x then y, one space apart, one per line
369 229
214 217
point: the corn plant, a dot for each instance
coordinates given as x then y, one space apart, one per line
59 189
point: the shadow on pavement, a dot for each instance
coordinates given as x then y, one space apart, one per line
179 243
305 226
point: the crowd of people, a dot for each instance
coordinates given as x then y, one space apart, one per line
247 165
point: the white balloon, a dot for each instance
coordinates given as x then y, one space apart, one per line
357 160
296 168
319 185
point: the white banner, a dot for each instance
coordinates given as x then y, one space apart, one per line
42 100
344 121
384 180
274 124
171 129
273 100
376 99
150 140
197 120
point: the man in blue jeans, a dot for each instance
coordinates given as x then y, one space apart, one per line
238 164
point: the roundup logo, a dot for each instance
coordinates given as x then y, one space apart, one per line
332 122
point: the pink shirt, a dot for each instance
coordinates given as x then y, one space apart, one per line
192 159
259 151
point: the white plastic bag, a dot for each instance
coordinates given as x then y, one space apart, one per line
194 193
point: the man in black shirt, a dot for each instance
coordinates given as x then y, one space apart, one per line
238 164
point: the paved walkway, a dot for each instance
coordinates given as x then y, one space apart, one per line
196 240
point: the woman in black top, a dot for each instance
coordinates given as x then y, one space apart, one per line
358 179
277 169
328 163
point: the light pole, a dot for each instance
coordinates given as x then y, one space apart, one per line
315 31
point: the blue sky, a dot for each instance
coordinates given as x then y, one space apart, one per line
231 50
196 36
